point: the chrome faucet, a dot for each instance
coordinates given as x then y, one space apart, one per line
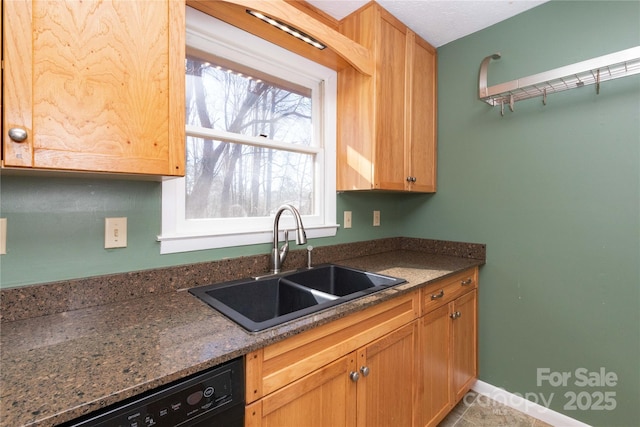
278 255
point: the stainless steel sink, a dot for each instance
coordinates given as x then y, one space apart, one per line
258 304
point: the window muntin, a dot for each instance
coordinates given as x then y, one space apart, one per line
262 179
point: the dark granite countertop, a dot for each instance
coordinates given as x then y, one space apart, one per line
60 366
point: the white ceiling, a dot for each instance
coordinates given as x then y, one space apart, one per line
438 21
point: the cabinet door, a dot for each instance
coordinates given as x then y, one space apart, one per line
97 85
387 388
16 82
422 118
435 339
387 126
465 344
390 51
323 398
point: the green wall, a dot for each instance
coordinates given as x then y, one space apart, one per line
55 227
554 192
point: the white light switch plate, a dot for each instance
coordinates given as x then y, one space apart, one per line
347 219
376 218
115 232
3 236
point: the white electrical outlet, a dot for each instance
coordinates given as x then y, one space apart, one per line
376 218
3 236
115 232
347 219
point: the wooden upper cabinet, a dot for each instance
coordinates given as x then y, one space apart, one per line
422 102
96 85
389 102
387 122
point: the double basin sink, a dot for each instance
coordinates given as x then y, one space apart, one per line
258 304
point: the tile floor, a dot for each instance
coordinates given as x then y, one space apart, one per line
476 410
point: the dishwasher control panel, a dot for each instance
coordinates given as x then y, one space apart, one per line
213 397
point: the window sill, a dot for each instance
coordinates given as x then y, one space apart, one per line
170 244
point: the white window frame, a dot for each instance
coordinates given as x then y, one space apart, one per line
182 235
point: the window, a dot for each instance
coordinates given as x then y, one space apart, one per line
260 133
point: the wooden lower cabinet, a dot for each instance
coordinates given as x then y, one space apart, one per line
322 398
464 359
435 340
386 395
373 386
448 339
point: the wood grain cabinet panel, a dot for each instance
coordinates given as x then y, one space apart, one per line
317 400
448 345
387 122
465 339
446 290
279 364
435 353
97 85
387 393
421 134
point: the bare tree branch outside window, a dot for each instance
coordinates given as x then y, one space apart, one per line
227 179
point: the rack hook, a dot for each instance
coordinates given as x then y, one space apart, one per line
511 102
544 96
598 81
502 107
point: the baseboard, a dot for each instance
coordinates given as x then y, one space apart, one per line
528 407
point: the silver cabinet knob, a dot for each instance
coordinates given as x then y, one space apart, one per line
438 295
17 134
466 282
455 315
354 376
364 370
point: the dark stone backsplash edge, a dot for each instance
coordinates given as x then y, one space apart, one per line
67 295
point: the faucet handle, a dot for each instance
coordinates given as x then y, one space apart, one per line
284 250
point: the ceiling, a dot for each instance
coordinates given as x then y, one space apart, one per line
438 21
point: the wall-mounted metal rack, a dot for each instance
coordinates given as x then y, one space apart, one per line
593 71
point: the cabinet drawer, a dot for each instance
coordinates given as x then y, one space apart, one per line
443 291
277 365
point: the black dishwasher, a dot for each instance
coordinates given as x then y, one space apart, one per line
212 398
